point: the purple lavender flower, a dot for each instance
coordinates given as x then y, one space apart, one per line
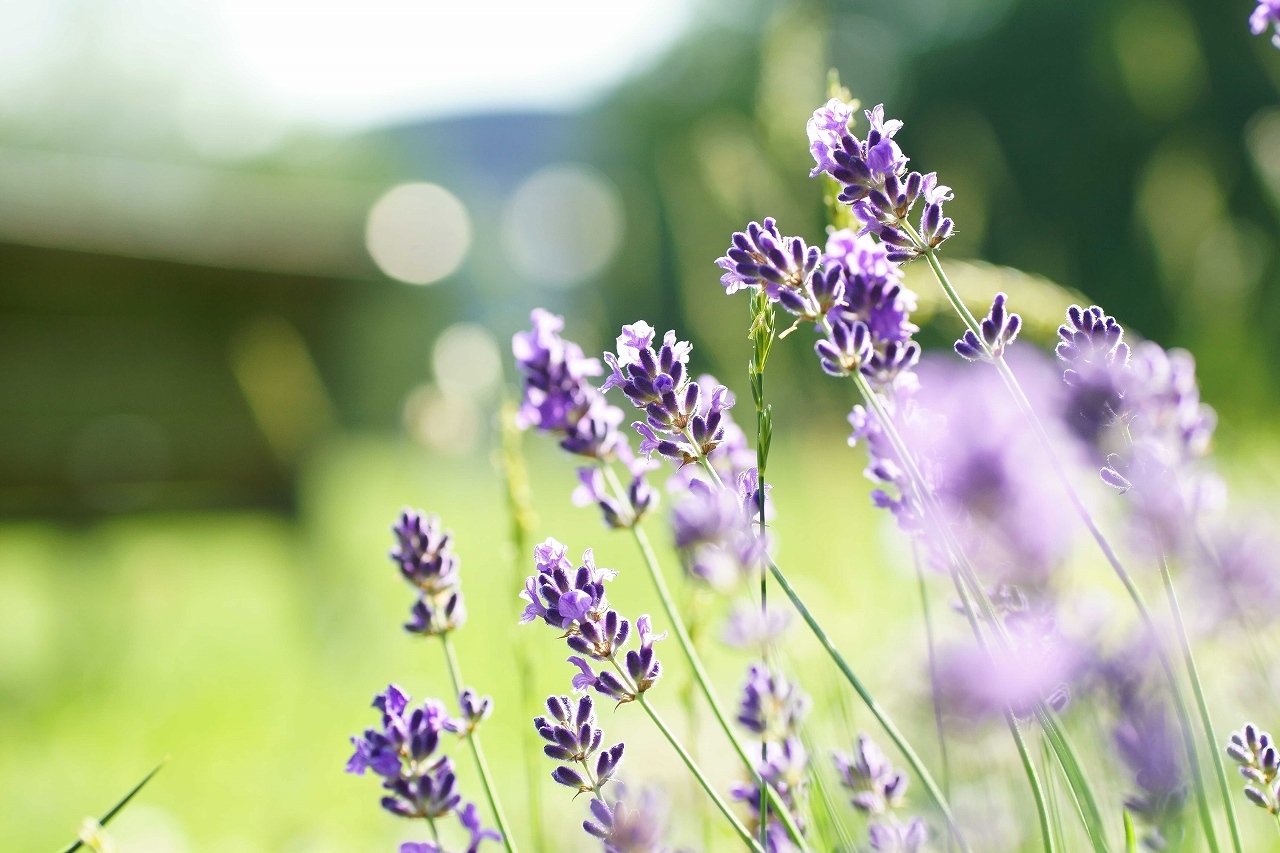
1266 17
747 628
713 533
999 329
561 595
475 709
557 393
785 768
574 738
874 179
438 615
873 290
1255 752
893 836
420 783
771 705
760 257
875 786
681 423
633 824
1240 576
424 552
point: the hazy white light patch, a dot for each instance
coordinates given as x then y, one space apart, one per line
418 233
359 62
446 423
563 225
466 361
222 122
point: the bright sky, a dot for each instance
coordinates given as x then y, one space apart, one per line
359 62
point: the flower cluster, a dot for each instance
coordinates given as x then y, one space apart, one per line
774 708
558 398
573 600
633 824
878 790
404 752
1255 752
424 553
873 177
574 738
1141 406
469 817
1266 17
713 530
999 329
683 422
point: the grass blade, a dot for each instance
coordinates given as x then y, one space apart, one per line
115 810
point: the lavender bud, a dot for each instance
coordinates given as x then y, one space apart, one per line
999 329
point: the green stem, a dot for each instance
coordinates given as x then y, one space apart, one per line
882 717
933 669
520 509
697 774
695 664
1033 778
762 339
1051 790
435 833
1197 690
477 752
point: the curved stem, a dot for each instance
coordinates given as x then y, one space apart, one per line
1037 791
650 559
1197 690
477 752
435 833
882 717
697 774
933 669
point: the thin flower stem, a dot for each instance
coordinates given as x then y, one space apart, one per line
435 833
763 318
1024 405
520 508
477 752
650 559
697 774
882 717
595 785
1051 790
1037 790
933 669
1197 690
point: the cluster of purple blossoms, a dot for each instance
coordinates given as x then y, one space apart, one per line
683 421
633 824
573 600
558 398
714 531
774 708
469 817
425 556
404 752
999 329
574 738
1266 17
1255 752
874 179
1141 407
878 790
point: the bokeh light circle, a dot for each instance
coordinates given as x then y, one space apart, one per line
466 361
418 233
563 225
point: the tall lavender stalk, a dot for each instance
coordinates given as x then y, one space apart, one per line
520 510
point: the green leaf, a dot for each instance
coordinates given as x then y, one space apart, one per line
115 810
1130 838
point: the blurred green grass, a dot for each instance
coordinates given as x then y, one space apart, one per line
248 646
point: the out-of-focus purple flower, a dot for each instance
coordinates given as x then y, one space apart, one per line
682 423
894 836
1255 752
419 847
574 738
1240 576
785 768
714 535
884 468
403 752
439 615
1037 665
999 329
761 257
771 705
875 787
827 128
474 708
469 817
748 629
1266 17
557 393
633 824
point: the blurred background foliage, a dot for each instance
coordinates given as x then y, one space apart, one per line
220 377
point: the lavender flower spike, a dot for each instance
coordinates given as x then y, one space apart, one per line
633 824
999 329
1266 17
1255 752
760 257
875 786
574 738
771 705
